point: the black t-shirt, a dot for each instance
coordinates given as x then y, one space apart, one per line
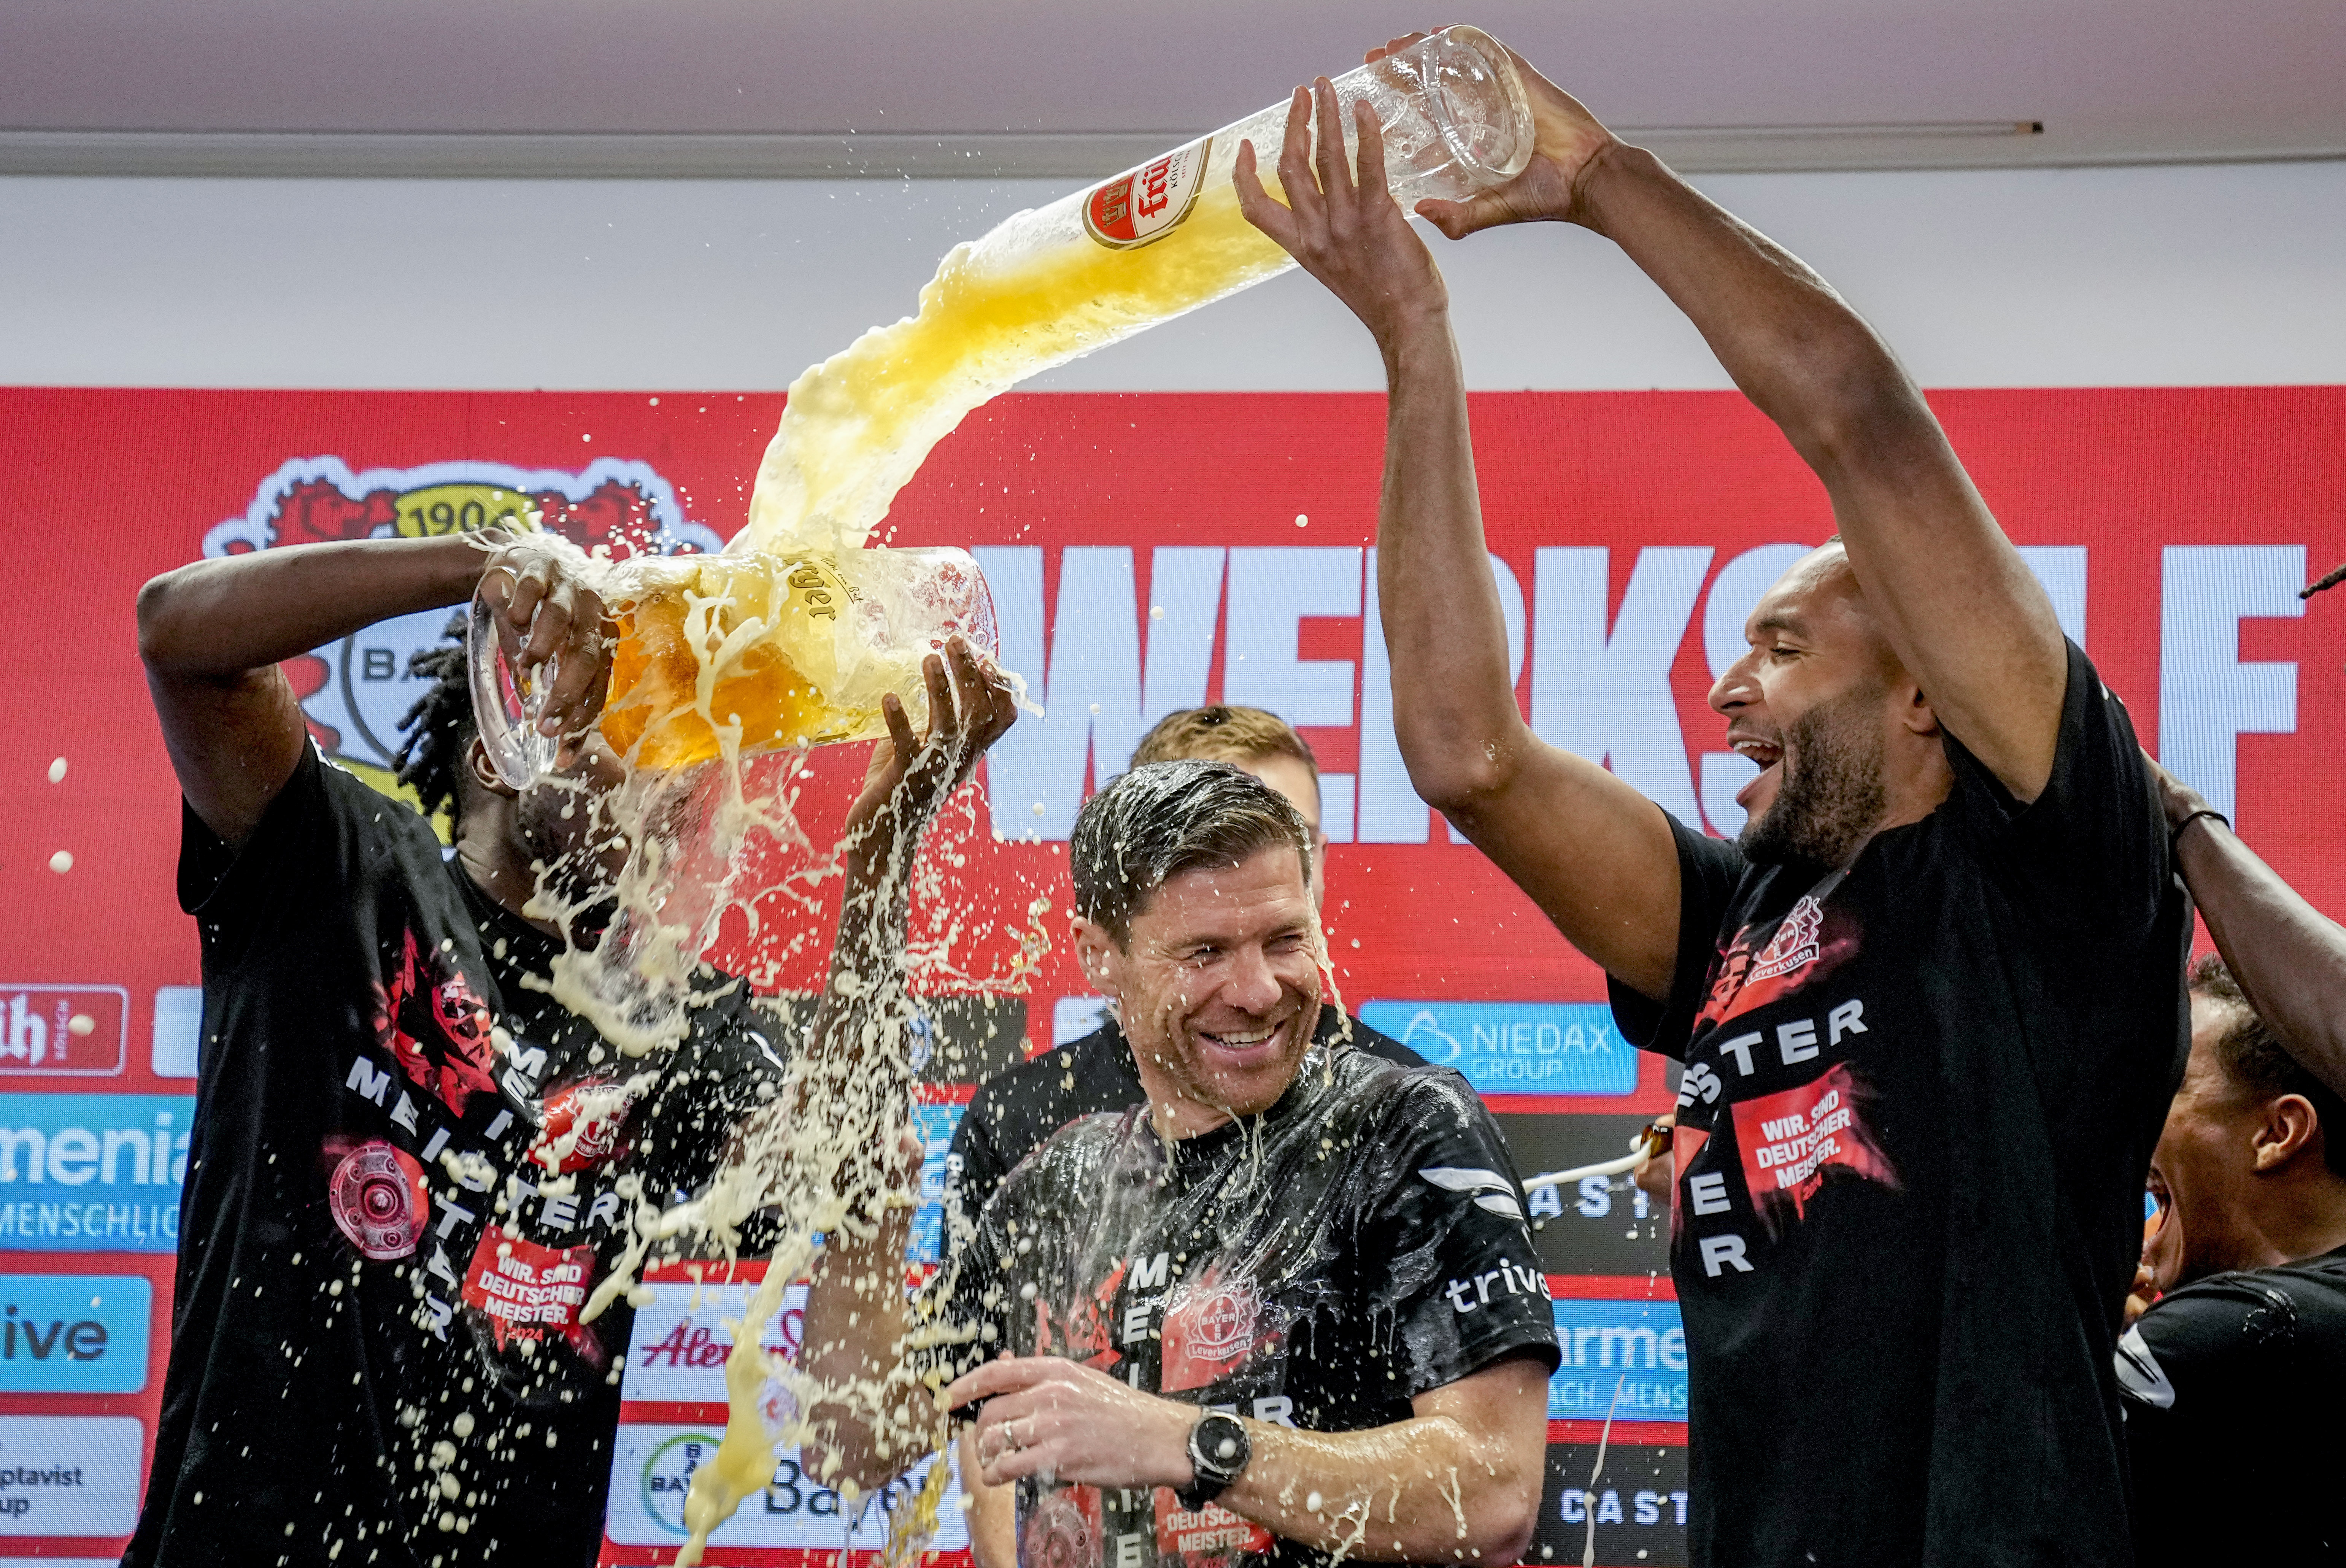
2232 1389
1919 1103
1018 1108
1356 1245
410 1167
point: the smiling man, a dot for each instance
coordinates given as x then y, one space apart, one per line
1285 1311
1929 1006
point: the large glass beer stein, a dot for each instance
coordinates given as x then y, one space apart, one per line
737 655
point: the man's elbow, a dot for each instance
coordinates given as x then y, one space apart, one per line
1501 1532
1855 403
163 634
1457 778
847 1453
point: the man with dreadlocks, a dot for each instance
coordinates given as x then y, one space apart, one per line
410 1167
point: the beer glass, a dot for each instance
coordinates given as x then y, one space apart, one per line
737 655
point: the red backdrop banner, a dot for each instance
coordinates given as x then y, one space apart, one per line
1146 552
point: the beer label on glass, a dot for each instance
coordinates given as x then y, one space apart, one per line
1133 209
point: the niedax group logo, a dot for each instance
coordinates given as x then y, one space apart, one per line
356 692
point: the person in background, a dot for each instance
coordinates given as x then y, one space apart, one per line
1016 1109
2231 1373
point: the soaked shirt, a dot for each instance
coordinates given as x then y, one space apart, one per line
1919 1104
1357 1243
2232 1386
410 1169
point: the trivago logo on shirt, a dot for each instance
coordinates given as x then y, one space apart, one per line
92 1173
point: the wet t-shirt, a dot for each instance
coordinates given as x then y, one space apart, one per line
1018 1108
2232 1389
1918 1106
409 1170
1357 1243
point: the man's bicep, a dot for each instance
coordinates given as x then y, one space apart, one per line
1967 616
1506 1397
233 743
1594 854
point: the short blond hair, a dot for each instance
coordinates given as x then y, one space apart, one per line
1224 734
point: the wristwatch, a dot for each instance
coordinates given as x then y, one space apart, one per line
1219 1451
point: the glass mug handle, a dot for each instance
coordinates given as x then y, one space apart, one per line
507 701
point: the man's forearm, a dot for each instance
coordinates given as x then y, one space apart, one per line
1792 345
219 618
1425 1490
871 1420
1444 627
2288 957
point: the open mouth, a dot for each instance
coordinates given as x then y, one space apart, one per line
1248 1046
1770 758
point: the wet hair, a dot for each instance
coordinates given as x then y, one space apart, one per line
1162 819
2260 1066
440 728
1224 734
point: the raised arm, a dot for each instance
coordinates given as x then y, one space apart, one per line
1592 852
2288 957
1959 606
212 634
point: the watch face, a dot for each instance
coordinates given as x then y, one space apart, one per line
1218 1447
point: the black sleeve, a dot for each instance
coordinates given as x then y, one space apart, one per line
1447 1232
2091 851
2196 1374
727 1067
308 849
974 1166
961 1318
1708 872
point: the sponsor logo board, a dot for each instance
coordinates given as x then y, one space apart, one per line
74 1333
1515 1047
1598 1225
92 1173
1636 1506
1627 1360
69 1475
77 1030
178 1031
936 1124
651 1471
675 1352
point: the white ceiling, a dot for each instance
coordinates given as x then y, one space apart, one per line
741 86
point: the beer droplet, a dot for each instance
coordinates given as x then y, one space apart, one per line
57 771
462 1425
61 862
1302 521
81 1024
1312 1503
1156 611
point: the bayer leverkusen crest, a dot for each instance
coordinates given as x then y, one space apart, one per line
354 692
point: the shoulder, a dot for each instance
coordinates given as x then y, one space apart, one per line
1067 1163
2209 1328
1375 1043
1084 1077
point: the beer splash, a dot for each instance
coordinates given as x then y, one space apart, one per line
1041 288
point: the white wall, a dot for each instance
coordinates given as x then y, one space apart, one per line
2202 275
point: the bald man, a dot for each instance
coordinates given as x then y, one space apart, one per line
1930 1004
